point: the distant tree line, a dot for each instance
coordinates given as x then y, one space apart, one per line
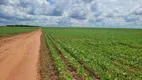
21 26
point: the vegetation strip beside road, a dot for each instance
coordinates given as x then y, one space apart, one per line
47 67
11 31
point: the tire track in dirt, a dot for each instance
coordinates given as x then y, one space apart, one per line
6 40
5 51
24 58
19 56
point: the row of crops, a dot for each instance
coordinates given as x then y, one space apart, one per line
89 54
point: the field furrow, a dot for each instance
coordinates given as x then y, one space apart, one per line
88 70
106 54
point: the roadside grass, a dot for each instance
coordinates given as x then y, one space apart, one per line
6 31
48 70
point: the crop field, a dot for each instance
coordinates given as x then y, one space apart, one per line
73 53
93 53
4 31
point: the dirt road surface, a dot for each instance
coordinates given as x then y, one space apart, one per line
19 56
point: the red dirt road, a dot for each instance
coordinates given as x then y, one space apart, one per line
19 56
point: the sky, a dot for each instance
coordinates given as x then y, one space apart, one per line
75 13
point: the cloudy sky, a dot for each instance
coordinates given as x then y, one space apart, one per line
89 13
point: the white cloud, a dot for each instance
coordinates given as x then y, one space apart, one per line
71 12
3 2
94 6
78 12
138 11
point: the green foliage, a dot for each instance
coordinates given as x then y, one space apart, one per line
80 70
4 31
62 68
113 54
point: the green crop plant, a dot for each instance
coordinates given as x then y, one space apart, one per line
4 31
80 70
113 54
62 68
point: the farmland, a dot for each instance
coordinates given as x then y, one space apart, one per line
93 53
5 31
71 53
